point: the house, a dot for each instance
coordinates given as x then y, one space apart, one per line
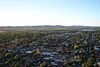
97 52
28 52
46 53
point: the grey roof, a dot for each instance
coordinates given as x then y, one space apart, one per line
97 47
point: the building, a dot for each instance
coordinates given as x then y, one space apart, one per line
97 52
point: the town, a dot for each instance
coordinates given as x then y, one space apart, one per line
50 48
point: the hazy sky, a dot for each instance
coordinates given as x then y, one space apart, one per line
49 12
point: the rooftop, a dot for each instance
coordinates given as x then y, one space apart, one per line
97 47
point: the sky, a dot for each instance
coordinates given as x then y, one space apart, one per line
49 12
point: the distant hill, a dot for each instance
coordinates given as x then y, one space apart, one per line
47 27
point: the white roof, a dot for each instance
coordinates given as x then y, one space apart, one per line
28 52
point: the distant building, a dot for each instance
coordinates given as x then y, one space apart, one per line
87 30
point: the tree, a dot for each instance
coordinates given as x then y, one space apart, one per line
76 46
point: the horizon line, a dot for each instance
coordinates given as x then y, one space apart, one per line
45 25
